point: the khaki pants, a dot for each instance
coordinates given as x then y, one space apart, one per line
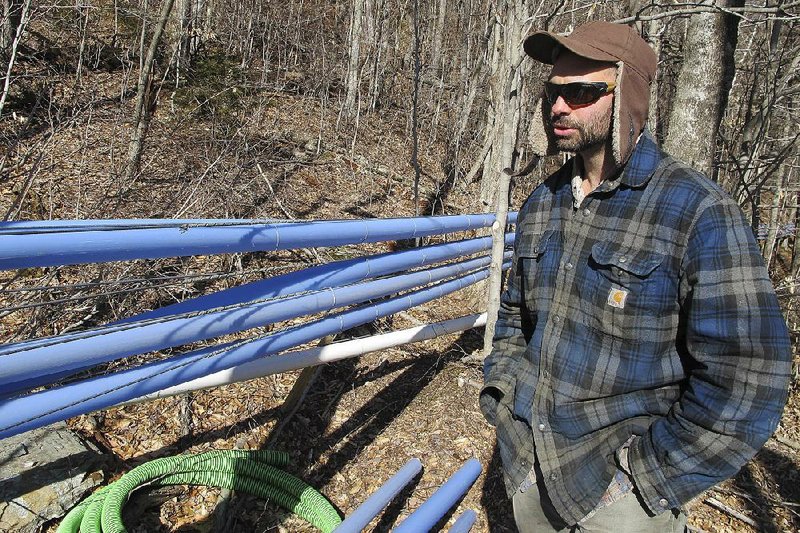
535 514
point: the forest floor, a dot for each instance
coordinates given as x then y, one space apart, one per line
361 419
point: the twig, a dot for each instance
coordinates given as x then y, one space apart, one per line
272 191
786 441
716 504
738 11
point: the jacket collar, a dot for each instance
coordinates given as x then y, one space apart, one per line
642 163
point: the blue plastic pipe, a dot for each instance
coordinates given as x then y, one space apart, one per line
314 278
329 275
105 345
434 508
42 408
80 247
464 522
333 274
372 506
24 227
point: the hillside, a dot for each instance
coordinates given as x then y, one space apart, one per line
362 419
225 144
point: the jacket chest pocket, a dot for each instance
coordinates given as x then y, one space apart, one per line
629 292
539 263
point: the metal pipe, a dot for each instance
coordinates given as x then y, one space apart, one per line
434 508
26 227
80 247
42 408
372 506
314 278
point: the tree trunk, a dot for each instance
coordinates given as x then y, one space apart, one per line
141 114
703 84
415 109
180 29
19 30
494 284
436 46
505 82
12 17
505 85
779 197
795 270
352 79
378 56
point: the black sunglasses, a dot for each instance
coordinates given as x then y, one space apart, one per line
577 93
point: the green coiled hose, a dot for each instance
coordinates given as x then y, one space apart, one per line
253 472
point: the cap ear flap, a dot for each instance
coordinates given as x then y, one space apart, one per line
619 149
540 142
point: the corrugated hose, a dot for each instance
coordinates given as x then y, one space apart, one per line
254 472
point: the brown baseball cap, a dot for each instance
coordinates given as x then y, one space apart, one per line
600 41
636 67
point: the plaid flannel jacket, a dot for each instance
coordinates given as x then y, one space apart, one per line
645 313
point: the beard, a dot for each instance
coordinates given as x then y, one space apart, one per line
590 134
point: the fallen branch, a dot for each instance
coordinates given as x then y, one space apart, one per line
716 504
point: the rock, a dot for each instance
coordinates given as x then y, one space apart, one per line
43 474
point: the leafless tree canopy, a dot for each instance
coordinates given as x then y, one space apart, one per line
205 73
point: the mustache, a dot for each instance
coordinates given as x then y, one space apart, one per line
563 122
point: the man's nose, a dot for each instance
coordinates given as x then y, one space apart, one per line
560 107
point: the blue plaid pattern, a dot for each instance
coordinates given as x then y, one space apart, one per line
645 313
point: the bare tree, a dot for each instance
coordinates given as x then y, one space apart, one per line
145 96
703 84
12 18
353 79
18 16
505 88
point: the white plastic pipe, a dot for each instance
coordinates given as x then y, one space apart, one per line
275 364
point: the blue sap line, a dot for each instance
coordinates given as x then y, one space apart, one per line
70 247
42 408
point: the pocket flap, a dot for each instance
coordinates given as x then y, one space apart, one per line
635 261
535 245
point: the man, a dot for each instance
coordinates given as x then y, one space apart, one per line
640 355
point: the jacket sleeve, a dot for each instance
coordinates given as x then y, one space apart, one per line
500 366
734 339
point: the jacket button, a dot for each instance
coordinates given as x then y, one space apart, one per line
553 477
586 212
569 266
623 259
663 502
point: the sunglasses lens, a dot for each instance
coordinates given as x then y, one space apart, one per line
580 94
573 93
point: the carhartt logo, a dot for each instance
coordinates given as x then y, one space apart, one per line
617 297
